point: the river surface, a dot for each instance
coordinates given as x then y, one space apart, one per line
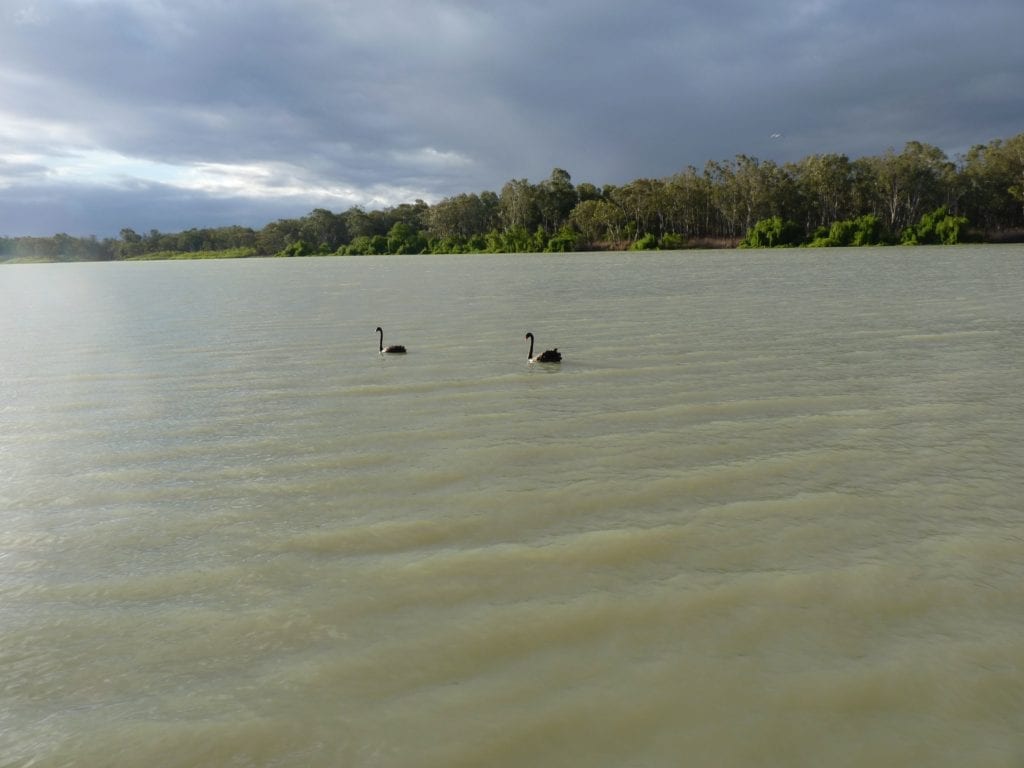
769 511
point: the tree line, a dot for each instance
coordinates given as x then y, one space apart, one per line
917 195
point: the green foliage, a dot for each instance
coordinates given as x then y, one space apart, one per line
992 181
451 244
556 199
646 243
826 183
672 242
939 227
773 233
597 221
323 231
366 245
475 244
298 248
494 242
463 217
539 241
563 240
867 230
402 238
864 230
516 240
472 244
518 206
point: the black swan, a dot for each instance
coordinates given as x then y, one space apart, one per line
548 356
394 349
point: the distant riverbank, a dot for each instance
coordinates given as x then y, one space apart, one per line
704 243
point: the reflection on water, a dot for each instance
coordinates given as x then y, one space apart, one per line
766 512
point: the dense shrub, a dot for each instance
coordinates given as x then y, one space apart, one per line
773 233
563 240
646 243
672 242
864 230
939 227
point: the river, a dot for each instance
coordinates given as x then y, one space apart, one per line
767 511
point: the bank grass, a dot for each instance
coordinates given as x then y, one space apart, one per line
28 260
227 253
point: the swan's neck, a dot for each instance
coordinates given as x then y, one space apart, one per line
529 355
381 341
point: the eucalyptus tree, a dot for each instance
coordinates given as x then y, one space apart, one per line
517 206
404 238
130 244
413 215
587 191
556 197
900 188
585 219
463 216
762 190
447 219
641 204
688 199
930 178
234 237
1013 153
598 221
490 212
982 199
778 192
278 235
324 230
614 220
726 198
826 185
362 223
673 206
992 180
746 190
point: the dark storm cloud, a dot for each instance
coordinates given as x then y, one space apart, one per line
159 114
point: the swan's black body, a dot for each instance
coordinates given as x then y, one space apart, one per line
396 349
548 356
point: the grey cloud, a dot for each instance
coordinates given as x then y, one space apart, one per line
446 96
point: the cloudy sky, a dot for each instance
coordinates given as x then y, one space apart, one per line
172 114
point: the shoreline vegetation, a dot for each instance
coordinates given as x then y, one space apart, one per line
915 197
